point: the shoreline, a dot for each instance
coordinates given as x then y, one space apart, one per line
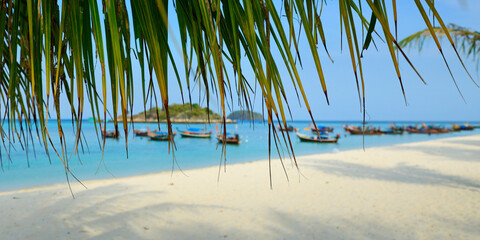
420 190
176 171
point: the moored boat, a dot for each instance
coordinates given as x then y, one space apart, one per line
395 130
158 135
366 132
228 139
466 127
354 130
110 134
289 128
317 139
140 133
424 129
323 129
392 132
456 127
194 133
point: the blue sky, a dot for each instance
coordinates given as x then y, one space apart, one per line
439 100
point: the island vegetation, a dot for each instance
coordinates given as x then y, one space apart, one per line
191 113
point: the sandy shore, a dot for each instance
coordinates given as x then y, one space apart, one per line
427 190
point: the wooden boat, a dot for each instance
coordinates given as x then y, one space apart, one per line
194 133
235 139
289 128
442 130
466 127
392 132
317 139
424 129
140 133
417 130
323 129
363 130
456 128
436 129
110 134
157 136
394 129
366 132
348 128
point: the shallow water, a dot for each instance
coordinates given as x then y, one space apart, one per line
145 156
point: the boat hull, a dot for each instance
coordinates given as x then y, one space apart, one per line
324 129
141 133
189 135
360 132
159 138
228 141
305 138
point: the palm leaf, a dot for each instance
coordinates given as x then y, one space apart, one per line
215 36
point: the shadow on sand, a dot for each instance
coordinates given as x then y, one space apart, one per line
401 173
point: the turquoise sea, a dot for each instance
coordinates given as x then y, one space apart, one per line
29 168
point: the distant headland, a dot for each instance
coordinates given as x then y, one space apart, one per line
243 115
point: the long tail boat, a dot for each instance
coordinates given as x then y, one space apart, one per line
424 129
324 129
157 136
417 130
289 128
466 127
110 134
140 133
363 131
456 127
366 132
463 127
229 139
195 133
347 127
317 139
394 129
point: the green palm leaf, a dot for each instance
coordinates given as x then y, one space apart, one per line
216 36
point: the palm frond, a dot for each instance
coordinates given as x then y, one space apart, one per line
467 41
67 37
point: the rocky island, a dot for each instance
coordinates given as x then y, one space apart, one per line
179 113
243 115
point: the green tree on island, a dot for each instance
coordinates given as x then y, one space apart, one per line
49 49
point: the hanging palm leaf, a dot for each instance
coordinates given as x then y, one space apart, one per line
67 37
467 41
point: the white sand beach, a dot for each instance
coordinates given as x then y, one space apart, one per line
427 190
